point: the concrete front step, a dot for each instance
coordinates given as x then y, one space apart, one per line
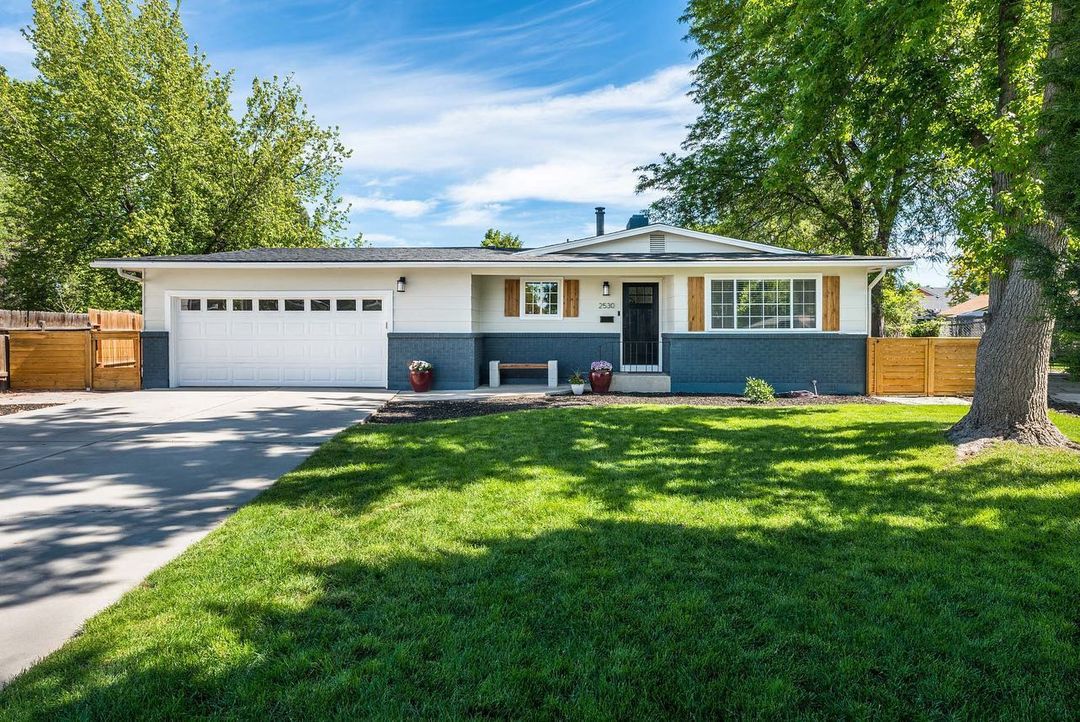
643 383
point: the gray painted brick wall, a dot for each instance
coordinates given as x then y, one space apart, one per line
720 363
573 351
155 358
454 355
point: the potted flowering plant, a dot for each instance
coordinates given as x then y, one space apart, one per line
577 383
420 375
600 376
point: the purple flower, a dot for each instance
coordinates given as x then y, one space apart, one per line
601 366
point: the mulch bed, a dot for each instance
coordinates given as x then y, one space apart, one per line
6 409
407 411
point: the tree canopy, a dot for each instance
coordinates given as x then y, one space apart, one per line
808 135
497 239
848 125
126 143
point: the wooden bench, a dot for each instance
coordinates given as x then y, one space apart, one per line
495 369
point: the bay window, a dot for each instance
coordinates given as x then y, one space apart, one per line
763 303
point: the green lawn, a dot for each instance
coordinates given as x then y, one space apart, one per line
613 562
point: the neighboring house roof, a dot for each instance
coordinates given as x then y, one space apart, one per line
934 299
480 256
975 306
656 228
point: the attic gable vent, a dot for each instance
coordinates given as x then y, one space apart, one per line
657 243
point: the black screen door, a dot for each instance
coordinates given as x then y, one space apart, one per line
641 324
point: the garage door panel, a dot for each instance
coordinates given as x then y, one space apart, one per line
249 347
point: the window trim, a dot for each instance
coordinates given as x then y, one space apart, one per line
541 279
709 278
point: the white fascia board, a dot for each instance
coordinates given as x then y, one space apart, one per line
524 267
652 228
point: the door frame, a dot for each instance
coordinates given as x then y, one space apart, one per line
659 281
173 296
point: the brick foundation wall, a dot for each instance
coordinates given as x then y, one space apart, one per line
573 351
155 359
456 357
720 363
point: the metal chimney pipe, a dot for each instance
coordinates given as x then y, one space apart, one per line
599 220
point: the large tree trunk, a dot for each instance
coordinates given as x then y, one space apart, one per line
1013 360
1011 370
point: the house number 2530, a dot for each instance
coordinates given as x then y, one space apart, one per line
607 305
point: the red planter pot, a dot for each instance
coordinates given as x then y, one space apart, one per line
421 381
600 381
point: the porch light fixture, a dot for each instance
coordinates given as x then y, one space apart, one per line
401 285
607 288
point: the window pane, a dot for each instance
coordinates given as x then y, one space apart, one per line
241 304
216 304
190 304
294 304
320 304
268 304
542 298
804 303
722 300
372 304
346 304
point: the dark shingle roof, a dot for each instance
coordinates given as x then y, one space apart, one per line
369 254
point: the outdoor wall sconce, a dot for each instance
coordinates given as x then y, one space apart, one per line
607 288
401 285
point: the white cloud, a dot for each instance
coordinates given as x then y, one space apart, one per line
12 42
15 53
394 206
472 139
469 215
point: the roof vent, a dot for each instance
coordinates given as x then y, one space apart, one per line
657 243
638 220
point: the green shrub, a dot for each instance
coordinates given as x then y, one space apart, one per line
1067 353
929 327
758 391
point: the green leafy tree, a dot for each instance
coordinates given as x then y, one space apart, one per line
808 135
125 144
900 306
498 239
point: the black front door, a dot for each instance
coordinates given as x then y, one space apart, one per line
641 324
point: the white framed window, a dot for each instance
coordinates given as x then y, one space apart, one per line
541 298
773 303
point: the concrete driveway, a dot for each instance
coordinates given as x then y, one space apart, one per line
97 493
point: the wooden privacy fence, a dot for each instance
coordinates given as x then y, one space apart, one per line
920 366
75 359
96 350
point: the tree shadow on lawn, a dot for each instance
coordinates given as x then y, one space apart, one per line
683 562
619 619
771 460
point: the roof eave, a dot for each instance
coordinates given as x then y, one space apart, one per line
136 264
667 227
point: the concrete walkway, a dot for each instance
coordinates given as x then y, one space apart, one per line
97 493
1063 390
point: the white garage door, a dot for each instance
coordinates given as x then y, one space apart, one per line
299 339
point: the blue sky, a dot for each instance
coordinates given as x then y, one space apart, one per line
469 114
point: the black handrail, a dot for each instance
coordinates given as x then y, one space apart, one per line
632 356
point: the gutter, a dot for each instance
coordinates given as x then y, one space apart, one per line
122 264
870 298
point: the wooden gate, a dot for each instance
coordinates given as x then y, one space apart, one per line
50 360
920 366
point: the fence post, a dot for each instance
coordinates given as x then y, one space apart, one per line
928 373
89 353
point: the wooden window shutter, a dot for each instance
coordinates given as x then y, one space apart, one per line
695 287
571 289
512 297
830 303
